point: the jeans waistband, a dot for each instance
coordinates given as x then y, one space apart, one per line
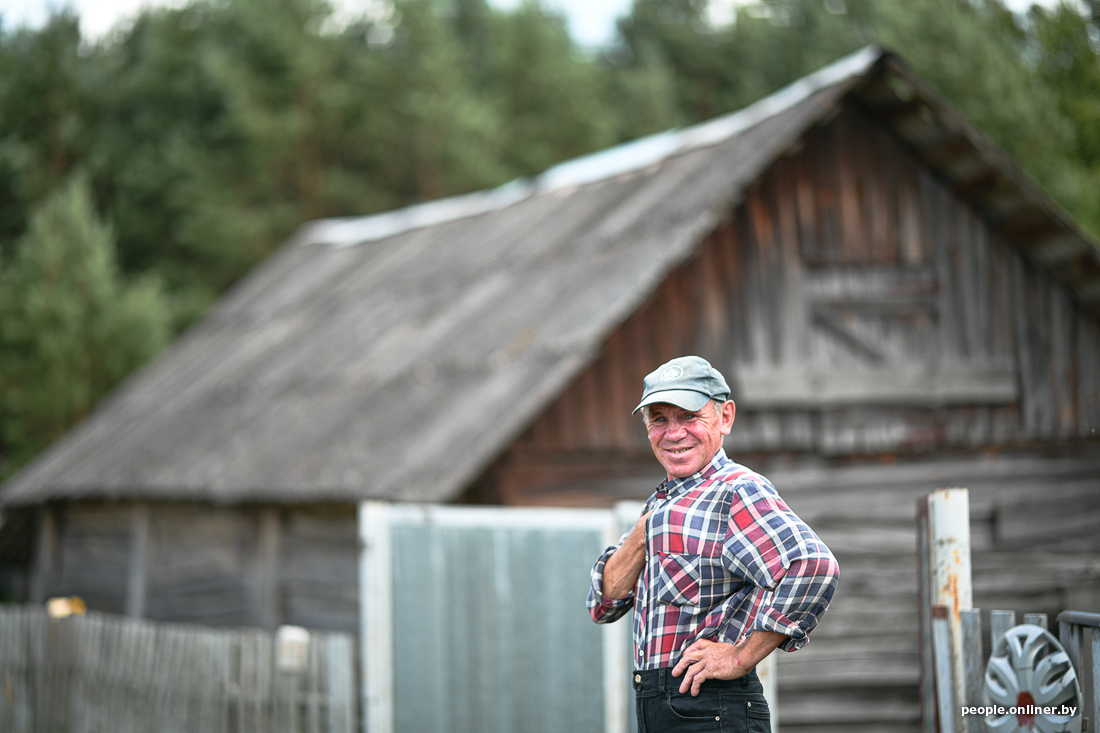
661 680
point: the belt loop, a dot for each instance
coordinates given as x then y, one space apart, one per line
661 679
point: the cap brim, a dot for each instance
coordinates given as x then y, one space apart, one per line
685 399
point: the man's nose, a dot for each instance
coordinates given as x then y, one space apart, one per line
676 429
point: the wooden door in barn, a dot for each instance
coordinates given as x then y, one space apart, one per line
473 620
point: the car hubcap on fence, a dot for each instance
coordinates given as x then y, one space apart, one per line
1028 675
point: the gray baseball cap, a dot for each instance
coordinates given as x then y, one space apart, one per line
687 382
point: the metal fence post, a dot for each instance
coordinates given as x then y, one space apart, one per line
376 617
949 525
945 677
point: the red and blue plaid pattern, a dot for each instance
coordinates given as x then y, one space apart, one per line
724 556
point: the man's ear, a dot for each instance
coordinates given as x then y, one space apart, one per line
727 413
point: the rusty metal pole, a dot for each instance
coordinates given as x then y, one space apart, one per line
949 522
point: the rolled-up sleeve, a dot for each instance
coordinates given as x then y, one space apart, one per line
797 575
604 610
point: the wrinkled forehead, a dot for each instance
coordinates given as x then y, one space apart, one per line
666 409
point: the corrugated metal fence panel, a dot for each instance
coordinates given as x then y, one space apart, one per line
85 674
488 627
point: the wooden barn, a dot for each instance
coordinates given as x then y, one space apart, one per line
897 306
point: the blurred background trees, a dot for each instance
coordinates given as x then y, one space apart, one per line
143 173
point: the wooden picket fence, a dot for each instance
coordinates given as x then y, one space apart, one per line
92 673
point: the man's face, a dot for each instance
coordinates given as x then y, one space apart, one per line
684 441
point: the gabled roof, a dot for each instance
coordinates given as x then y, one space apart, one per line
395 356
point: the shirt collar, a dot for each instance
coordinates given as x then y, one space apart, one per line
677 486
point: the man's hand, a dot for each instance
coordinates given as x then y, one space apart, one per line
712 660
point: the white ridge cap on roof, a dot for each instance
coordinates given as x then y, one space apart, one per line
349 230
625 158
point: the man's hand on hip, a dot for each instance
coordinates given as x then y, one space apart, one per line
712 660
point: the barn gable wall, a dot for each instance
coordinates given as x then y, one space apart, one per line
882 339
859 307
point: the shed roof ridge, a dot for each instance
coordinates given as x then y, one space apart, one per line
631 156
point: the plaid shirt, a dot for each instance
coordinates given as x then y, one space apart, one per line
724 556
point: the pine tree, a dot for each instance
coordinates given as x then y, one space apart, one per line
70 325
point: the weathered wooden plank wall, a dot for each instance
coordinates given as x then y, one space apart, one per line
103 673
216 565
863 311
859 306
319 570
1033 549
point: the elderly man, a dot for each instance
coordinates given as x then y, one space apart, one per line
718 569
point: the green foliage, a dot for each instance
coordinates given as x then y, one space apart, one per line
990 81
553 101
1031 83
70 325
1067 54
645 93
43 102
438 130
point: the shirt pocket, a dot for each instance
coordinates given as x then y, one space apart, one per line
688 580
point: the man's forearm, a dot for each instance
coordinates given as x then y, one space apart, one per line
706 660
759 645
625 565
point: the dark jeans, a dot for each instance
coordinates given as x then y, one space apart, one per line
723 706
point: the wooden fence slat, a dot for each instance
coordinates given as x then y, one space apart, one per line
253 684
86 687
313 687
12 671
971 628
1092 696
100 673
339 671
999 623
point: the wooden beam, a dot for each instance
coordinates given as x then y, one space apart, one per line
265 569
834 322
924 597
45 555
894 385
138 561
